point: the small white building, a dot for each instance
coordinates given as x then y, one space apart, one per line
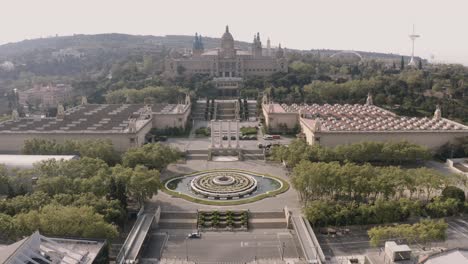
40 249
28 161
397 252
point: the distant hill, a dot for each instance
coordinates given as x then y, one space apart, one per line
126 44
105 41
96 55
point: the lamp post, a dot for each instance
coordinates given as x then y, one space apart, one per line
229 134
221 134
186 249
283 245
212 134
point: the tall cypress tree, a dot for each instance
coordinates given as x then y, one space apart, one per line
420 64
402 65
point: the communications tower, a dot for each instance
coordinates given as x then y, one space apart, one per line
413 37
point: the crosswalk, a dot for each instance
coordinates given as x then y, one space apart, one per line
457 228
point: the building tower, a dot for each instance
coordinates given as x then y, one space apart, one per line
257 46
279 52
268 48
197 47
227 45
413 37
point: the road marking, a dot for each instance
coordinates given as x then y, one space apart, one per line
461 231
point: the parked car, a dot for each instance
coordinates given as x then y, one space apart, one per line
194 235
276 136
260 145
233 137
268 137
225 138
160 138
252 137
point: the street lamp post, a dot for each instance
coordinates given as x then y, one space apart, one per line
186 249
283 245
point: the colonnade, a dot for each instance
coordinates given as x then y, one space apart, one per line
217 134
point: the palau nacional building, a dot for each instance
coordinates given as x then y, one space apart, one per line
228 65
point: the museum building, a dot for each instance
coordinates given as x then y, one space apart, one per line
339 124
126 125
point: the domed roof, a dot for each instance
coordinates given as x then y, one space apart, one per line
227 35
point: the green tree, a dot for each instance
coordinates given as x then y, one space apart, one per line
102 149
57 220
144 183
152 156
422 232
8 228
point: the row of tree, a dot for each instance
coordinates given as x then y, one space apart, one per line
385 153
320 180
381 211
101 148
147 95
422 232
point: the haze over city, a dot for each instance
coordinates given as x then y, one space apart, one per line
255 132
366 25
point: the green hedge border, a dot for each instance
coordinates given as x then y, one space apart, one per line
284 187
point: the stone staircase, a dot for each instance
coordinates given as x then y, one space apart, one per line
188 220
178 220
197 154
252 106
253 154
199 111
267 220
226 110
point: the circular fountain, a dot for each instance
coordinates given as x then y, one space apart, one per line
225 184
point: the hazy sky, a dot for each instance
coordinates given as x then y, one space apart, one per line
368 25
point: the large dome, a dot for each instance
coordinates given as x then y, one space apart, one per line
227 35
227 45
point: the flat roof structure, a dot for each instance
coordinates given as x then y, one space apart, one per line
126 125
28 161
91 118
364 118
338 124
40 249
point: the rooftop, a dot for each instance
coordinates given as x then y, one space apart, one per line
40 249
347 117
91 118
459 256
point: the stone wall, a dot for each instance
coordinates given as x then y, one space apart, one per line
275 120
162 121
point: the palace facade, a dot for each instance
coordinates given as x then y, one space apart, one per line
227 65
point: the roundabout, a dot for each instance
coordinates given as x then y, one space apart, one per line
225 187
